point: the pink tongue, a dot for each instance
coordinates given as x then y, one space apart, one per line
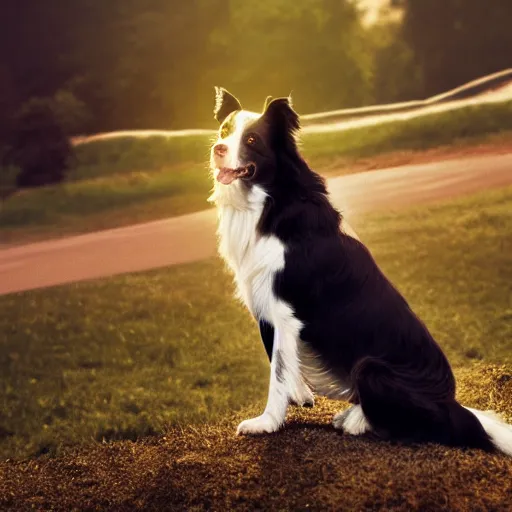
226 176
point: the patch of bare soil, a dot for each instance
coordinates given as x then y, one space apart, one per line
308 465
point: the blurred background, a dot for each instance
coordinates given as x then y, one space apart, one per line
116 319
130 64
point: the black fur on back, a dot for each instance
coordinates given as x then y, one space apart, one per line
354 318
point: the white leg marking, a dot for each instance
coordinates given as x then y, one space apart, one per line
352 421
286 382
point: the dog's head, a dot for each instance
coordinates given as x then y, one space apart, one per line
250 146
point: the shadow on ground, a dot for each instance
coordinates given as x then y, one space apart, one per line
308 465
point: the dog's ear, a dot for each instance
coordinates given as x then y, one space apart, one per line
267 103
225 103
283 120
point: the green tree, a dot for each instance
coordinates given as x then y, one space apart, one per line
397 75
72 113
39 145
152 63
315 49
455 41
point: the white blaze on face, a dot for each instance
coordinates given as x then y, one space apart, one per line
232 194
232 141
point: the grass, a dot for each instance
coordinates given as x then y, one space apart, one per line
103 202
122 357
124 155
307 466
127 180
466 125
133 355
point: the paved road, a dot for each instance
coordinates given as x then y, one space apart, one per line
192 237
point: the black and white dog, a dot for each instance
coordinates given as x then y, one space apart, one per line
330 320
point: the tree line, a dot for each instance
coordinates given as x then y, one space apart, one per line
126 64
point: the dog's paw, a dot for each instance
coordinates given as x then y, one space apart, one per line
352 421
264 424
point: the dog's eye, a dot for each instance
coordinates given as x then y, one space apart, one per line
250 140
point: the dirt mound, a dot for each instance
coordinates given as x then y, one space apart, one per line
306 466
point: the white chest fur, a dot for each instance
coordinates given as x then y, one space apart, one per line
254 259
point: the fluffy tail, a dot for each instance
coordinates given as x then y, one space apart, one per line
403 405
499 432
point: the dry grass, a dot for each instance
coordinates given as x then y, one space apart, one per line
308 465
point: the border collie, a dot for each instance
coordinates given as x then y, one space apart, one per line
331 322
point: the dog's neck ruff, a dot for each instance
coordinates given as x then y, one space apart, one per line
238 212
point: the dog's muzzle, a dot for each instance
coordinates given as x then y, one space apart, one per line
227 175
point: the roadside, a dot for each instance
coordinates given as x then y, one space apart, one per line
497 144
127 199
192 237
122 181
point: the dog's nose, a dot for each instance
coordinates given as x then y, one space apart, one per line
220 149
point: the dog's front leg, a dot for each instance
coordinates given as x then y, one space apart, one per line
286 384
